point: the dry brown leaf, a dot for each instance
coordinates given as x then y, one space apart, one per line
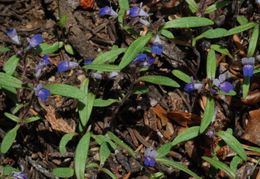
252 131
161 113
184 118
57 124
252 98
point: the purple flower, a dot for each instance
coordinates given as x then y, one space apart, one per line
113 74
107 11
224 86
157 47
19 175
12 34
88 61
141 57
66 65
137 11
44 61
149 157
189 87
150 60
248 66
42 93
35 40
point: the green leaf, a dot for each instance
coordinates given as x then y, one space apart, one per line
103 67
12 117
233 143
32 119
89 107
134 49
109 173
188 22
9 81
62 21
159 80
45 48
4 49
256 70
166 33
245 86
82 106
107 56
123 4
100 139
177 165
255 149
221 50
119 142
11 64
163 150
64 141
140 90
230 93
104 102
220 165
63 172
242 20
236 160
65 90
193 6
211 64
7 170
8 139
216 6
209 114
81 155
182 76
104 153
214 33
253 41
240 28
68 48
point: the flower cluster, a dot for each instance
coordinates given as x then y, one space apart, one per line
149 157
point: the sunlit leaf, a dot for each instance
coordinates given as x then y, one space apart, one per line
188 22
193 6
45 48
159 80
211 64
32 119
240 28
105 57
11 64
245 86
182 76
9 81
68 48
9 139
236 160
221 49
63 172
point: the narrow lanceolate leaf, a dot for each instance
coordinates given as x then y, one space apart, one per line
9 81
159 80
193 6
9 139
188 134
211 64
208 115
66 90
240 28
233 143
32 119
177 165
188 22
166 33
104 102
4 49
235 162
82 106
109 173
119 142
253 41
107 56
221 49
214 33
123 4
104 153
81 155
63 172
12 117
64 141
216 6
103 67
182 76
163 150
45 48
89 107
242 20
11 64
245 86
132 51
220 165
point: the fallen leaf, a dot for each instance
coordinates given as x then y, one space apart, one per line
252 130
161 113
184 118
252 98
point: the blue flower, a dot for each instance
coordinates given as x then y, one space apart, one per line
19 175
66 65
248 66
149 157
44 61
157 47
141 57
107 11
150 60
223 85
88 61
12 34
137 11
189 87
42 93
35 40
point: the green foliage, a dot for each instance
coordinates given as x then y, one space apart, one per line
108 172
188 22
134 49
9 81
193 6
62 21
104 102
107 56
8 139
159 80
123 6
220 165
11 64
119 142
45 48
4 49
103 67
89 106
253 41
81 155
240 28
242 20
182 76
68 48
245 86
63 172
104 153
64 141
12 117
209 114
216 6
166 33
221 49
177 165
7 170
235 162
211 64
233 143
